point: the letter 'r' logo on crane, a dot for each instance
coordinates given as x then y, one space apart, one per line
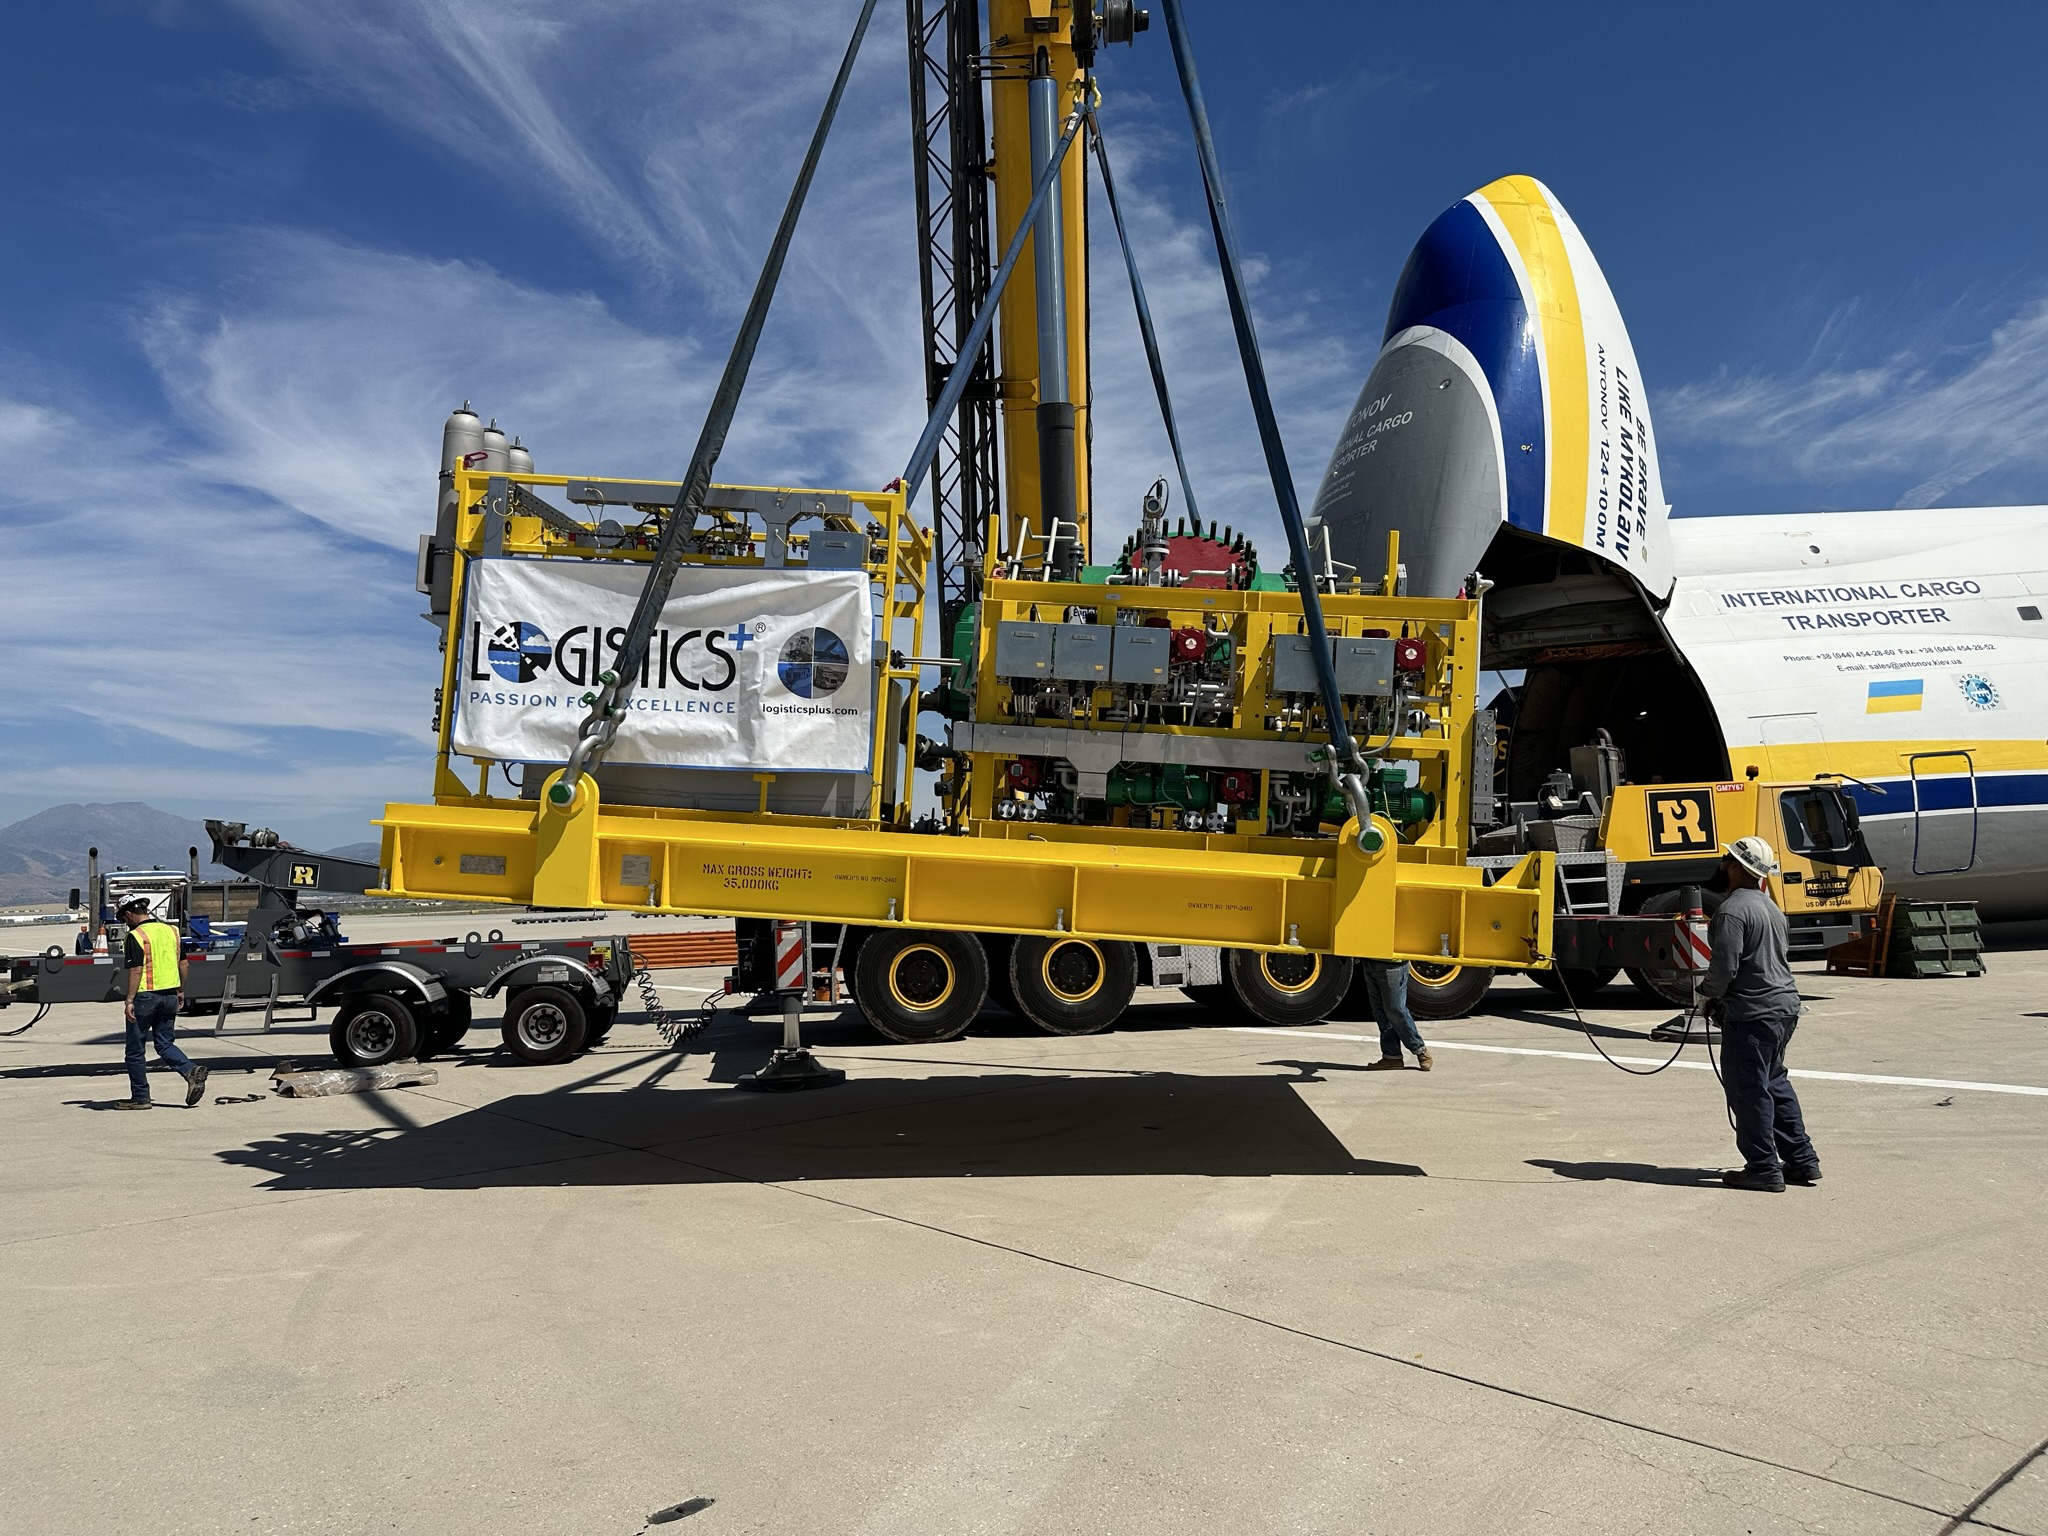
1681 821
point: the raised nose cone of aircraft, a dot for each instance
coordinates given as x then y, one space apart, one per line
1505 395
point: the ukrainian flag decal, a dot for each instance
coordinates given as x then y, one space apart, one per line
1892 697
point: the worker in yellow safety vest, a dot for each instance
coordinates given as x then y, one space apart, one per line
156 986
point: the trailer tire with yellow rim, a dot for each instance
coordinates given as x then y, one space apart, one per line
1070 986
1444 989
1288 986
920 985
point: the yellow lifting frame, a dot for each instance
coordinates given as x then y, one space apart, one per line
1412 901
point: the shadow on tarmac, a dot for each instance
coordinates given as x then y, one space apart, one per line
1631 1173
1015 1125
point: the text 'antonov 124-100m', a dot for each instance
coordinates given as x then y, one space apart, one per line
1505 430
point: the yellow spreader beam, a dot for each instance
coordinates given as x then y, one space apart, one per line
1106 883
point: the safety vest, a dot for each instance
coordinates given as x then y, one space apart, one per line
159 941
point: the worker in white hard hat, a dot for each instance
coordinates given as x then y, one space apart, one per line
1750 988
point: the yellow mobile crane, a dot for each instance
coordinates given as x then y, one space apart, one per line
703 698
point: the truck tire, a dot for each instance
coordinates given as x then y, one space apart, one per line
440 1031
1579 985
1672 986
1438 991
1069 986
373 1028
1288 987
920 986
849 958
601 1017
544 1025
997 946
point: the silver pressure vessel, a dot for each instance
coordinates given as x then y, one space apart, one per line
519 458
497 452
461 433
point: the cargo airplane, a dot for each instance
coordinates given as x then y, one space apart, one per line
1903 653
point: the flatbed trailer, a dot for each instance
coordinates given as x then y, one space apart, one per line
391 1001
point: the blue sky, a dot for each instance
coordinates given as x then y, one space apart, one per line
256 250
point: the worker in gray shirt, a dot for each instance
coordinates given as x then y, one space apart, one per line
1749 986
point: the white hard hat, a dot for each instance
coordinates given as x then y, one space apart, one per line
1754 855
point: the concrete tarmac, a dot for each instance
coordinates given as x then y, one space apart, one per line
1178 1277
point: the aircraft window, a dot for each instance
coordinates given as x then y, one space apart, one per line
1817 826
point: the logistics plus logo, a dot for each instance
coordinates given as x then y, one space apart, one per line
519 652
813 663
693 660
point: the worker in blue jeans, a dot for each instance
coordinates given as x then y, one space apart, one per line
1386 989
156 986
1749 986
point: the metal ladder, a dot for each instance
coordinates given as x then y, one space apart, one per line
230 1003
1586 883
826 941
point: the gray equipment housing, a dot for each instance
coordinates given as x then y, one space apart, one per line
1140 656
1365 667
1080 652
1023 650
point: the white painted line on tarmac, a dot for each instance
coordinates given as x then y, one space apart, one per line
1652 1061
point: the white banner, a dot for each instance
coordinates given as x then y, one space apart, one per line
751 669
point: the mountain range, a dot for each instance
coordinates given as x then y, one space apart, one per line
43 856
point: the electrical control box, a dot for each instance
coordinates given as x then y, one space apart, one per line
1080 652
1023 650
1365 668
1294 665
838 549
1140 656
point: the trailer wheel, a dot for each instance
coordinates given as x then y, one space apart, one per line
1578 984
371 1029
440 1031
602 1017
1072 986
1439 991
544 1025
921 986
1289 986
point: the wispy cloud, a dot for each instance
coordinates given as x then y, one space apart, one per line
1315 359
254 532
674 133
1920 427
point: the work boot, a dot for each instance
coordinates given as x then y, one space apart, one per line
1384 1064
195 1087
1807 1176
1423 1060
1769 1180
130 1104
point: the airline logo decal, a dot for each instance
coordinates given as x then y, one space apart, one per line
1681 820
1979 692
1894 695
